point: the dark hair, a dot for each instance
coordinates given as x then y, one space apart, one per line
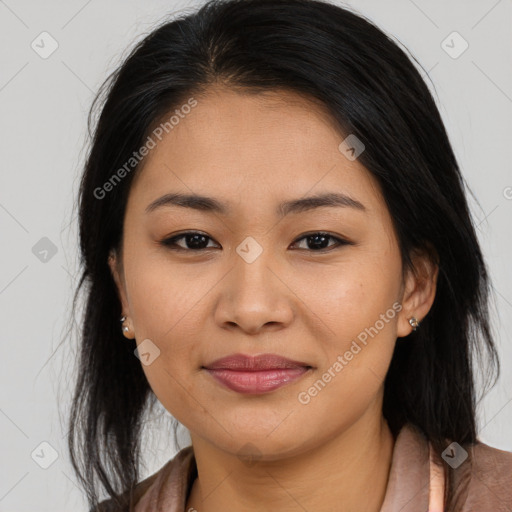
372 90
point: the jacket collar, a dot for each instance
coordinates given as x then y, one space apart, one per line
407 489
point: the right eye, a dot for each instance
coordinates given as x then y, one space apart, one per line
193 240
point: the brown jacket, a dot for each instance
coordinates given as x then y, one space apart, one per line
486 475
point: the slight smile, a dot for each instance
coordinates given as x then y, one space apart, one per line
256 374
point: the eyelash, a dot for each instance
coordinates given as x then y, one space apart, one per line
170 243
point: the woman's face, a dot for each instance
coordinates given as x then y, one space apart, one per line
257 280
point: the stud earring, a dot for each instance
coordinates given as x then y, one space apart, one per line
125 328
414 323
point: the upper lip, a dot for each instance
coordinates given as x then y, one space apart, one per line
254 363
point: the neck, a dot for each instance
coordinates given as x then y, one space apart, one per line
348 473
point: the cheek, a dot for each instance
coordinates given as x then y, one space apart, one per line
165 298
360 308
350 298
165 306
355 360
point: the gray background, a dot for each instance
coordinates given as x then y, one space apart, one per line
44 103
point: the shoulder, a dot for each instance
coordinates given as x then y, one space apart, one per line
174 466
109 505
490 483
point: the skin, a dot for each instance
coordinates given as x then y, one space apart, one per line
252 152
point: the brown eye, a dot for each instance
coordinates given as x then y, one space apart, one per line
193 241
318 242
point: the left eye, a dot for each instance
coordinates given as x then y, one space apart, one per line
318 240
195 241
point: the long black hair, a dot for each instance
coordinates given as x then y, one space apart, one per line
371 89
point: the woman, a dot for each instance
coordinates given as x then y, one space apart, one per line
272 208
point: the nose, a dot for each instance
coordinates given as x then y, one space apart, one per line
255 296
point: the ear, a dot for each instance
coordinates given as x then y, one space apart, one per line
118 276
419 290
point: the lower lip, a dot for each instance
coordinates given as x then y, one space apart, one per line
255 382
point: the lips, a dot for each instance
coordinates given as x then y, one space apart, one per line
256 374
255 363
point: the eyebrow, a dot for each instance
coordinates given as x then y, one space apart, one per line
210 204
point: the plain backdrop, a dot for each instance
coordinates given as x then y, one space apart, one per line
44 104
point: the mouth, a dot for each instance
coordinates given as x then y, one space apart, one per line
256 374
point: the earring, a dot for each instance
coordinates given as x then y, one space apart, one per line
125 327
414 323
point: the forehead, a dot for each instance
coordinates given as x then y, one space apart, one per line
243 146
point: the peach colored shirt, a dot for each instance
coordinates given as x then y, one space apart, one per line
415 483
